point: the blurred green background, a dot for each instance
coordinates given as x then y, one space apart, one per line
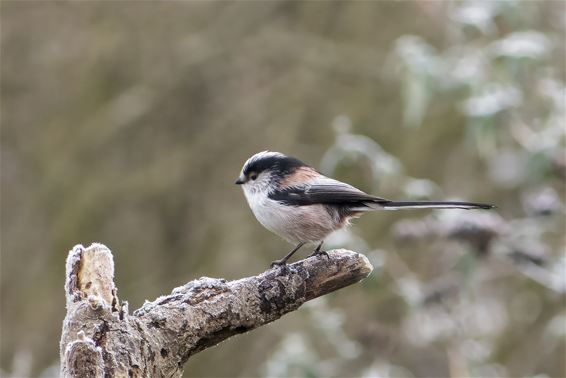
126 123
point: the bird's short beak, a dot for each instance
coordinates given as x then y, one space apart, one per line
239 181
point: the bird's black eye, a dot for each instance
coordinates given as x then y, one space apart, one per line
253 176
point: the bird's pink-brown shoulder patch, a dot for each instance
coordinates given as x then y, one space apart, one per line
299 176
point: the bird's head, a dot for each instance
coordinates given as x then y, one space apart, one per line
265 170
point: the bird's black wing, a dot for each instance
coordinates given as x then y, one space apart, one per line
323 192
350 199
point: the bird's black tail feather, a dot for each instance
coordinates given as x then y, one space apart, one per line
398 205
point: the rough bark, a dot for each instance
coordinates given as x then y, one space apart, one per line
101 339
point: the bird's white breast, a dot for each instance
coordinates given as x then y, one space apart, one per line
293 223
271 214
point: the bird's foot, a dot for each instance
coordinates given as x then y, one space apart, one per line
318 252
280 264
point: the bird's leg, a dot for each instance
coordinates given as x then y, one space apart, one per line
283 261
318 252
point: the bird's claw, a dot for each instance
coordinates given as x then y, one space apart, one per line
279 263
319 253
282 265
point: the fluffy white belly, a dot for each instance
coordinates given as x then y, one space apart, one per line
295 224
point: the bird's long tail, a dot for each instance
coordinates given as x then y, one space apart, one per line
399 205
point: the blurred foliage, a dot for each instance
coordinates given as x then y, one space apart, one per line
126 123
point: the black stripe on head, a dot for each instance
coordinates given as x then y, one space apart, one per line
279 163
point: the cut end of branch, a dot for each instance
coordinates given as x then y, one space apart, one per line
90 274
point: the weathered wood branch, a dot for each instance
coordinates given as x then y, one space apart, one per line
101 339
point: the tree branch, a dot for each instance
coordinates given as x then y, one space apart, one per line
100 338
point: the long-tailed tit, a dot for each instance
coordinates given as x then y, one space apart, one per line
302 206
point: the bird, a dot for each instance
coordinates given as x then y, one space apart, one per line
301 205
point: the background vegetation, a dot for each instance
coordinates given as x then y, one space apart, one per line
127 122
